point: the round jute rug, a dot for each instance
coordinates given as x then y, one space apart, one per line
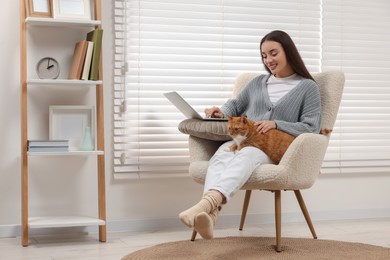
260 248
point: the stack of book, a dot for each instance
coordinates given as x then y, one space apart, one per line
86 57
48 145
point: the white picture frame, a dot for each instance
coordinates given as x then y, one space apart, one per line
72 9
70 122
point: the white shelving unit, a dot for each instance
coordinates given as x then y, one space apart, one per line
27 82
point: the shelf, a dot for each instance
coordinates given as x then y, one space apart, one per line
36 21
65 153
64 221
69 82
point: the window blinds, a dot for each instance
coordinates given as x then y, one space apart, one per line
198 47
356 40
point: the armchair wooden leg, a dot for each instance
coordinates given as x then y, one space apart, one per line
305 212
193 235
278 220
245 208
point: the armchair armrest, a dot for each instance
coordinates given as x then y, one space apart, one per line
204 137
298 169
303 159
210 130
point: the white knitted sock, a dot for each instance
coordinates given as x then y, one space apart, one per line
204 223
209 202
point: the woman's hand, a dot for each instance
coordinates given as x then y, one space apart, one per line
265 126
213 112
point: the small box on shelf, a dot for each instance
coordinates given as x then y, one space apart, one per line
48 145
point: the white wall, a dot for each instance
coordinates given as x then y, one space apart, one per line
68 185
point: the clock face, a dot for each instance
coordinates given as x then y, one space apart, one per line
48 68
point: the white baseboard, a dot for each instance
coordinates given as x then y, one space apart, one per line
151 225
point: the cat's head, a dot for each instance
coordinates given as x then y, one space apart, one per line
238 125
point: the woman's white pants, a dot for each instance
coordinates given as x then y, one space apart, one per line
228 171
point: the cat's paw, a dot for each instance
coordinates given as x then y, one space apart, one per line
227 149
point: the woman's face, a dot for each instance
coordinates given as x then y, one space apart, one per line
275 59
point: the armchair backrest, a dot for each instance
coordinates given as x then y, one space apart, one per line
331 85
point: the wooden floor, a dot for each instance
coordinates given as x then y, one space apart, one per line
87 246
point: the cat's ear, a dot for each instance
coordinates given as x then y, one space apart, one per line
229 118
243 119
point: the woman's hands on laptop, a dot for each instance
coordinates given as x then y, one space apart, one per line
213 112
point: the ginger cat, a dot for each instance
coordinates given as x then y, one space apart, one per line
243 131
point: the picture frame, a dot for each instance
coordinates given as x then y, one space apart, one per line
40 8
72 9
70 122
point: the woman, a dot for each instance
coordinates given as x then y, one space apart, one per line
287 99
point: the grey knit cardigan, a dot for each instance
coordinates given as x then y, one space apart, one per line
299 111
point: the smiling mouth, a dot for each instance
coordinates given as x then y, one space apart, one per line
272 67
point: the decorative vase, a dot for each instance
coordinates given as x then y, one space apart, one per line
87 143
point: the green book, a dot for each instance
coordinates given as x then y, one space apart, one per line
96 37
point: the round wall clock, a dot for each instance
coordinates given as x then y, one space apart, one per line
48 68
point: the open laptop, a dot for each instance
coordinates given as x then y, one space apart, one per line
186 108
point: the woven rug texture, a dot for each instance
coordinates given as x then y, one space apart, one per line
260 248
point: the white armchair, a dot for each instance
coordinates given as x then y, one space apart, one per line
300 165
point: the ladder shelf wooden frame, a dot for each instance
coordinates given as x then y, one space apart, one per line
24 82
